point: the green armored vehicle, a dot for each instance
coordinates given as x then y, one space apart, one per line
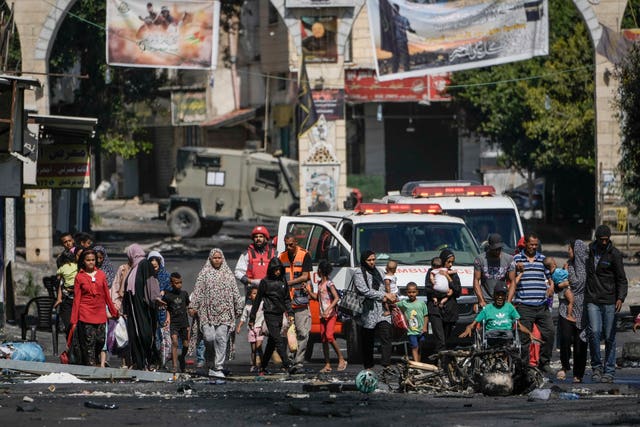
213 185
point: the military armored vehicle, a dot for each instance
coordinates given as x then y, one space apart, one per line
213 185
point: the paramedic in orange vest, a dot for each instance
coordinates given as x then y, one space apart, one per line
297 264
252 265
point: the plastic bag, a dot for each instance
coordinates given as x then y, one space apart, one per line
122 337
27 351
292 338
398 319
111 335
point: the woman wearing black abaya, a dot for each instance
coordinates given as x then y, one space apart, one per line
141 297
443 307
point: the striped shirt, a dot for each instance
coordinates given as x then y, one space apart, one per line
532 288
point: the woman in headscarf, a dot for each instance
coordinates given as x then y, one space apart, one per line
163 335
141 299
372 321
572 334
443 306
216 301
103 262
117 294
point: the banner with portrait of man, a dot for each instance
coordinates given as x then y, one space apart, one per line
319 38
163 34
418 37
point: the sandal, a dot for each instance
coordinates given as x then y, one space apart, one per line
342 365
561 375
325 370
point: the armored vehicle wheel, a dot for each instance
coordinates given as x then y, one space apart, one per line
184 222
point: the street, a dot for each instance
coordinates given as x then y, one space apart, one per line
309 399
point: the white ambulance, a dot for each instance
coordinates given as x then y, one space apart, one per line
410 234
479 206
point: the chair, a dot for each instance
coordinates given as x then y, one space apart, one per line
45 319
481 340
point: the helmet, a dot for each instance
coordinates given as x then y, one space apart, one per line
366 381
260 229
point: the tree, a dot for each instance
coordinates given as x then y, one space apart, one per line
81 40
627 105
539 112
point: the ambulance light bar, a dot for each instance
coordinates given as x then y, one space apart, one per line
384 208
469 190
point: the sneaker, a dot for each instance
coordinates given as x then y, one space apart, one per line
216 374
253 369
607 378
596 376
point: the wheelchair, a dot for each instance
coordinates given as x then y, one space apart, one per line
497 350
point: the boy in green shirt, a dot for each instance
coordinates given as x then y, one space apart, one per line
499 318
417 318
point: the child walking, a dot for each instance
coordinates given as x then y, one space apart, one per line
255 334
177 302
417 317
328 298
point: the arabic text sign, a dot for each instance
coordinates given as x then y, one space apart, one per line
64 166
361 85
171 34
188 108
414 39
329 102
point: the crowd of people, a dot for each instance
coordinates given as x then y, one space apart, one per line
93 295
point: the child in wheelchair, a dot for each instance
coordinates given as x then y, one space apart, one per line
498 319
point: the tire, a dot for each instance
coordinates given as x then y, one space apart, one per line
354 352
184 222
211 228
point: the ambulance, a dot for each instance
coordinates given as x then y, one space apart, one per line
483 210
410 234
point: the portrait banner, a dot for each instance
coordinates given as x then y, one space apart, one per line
321 187
415 38
319 39
167 34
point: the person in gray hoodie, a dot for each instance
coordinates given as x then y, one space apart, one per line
606 290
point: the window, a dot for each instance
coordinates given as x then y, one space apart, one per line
269 178
215 178
207 161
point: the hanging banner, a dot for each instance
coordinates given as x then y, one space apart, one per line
362 85
330 103
321 187
319 39
64 166
171 34
414 38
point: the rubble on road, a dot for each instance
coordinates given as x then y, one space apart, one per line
493 372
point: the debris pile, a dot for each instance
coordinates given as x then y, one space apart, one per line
494 372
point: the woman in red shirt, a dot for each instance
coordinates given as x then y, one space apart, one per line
89 315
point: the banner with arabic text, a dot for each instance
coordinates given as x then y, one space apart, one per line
166 34
413 37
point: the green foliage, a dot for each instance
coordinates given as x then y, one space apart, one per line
81 39
371 186
627 105
30 289
539 123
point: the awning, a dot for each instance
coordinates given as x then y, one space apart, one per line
231 119
65 129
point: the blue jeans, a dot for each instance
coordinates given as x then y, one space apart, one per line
200 349
602 321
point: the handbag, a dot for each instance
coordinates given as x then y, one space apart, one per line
351 301
398 319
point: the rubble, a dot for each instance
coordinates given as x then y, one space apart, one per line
493 372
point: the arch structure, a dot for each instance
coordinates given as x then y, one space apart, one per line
597 13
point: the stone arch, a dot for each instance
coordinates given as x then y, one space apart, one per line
50 28
590 18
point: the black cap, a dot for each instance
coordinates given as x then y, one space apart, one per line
603 231
495 241
500 287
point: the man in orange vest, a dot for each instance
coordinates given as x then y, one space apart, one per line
297 264
252 265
